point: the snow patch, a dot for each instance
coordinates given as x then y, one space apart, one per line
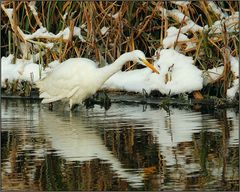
22 70
33 7
174 36
231 23
42 32
104 30
172 79
231 92
212 75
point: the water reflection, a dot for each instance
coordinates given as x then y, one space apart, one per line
128 147
76 139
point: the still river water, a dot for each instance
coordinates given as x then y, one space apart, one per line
128 147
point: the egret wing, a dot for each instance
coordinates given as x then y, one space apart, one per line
66 79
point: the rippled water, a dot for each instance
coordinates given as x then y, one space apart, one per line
128 147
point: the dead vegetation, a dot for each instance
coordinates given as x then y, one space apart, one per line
107 29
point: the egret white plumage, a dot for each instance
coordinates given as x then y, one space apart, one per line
76 79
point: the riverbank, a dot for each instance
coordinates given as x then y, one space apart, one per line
105 98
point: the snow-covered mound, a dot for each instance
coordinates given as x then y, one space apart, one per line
215 73
177 75
22 70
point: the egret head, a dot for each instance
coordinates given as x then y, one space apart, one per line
139 56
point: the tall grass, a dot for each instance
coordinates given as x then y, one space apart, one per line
131 25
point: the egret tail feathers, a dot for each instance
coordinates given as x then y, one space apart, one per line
50 100
72 92
47 98
45 95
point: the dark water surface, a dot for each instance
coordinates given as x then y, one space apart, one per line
128 147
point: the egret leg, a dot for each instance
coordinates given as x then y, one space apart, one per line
145 96
75 106
72 106
89 102
106 101
50 106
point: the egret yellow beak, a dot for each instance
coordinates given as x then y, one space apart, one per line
149 65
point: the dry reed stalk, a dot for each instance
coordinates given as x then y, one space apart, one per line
226 70
204 8
181 24
54 56
69 41
148 19
77 51
213 43
28 16
197 95
18 5
43 13
35 16
66 5
13 21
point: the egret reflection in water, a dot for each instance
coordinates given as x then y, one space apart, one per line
76 139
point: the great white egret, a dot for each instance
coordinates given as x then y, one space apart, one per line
78 78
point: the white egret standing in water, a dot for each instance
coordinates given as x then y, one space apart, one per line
76 79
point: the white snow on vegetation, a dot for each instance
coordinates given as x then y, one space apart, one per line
216 9
174 36
189 25
234 65
22 70
115 16
42 32
65 16
33 7
9 13
212 75
181 3
104 30
76 32
234 89
231 23
12 71
231 92
177 75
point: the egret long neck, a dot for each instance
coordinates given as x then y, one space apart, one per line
107 71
